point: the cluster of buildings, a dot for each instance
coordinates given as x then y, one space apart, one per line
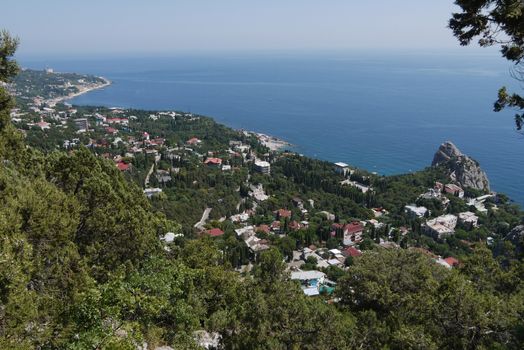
115 132
444 225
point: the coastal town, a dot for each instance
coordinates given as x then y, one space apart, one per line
241 177
171 153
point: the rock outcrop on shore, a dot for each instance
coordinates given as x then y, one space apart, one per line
462 169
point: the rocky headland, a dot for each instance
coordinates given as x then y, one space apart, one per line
462 169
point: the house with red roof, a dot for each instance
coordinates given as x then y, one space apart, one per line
451 261
275 226
263 228
111 130
215 232
454 190
353 233
43 125
352 252
123 121
213 162
193 141
294 226
283 213
448 263
123 166
157 142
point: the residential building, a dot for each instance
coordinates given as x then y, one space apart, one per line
43 125
150 192
120 121
468 219
256 244
310 281
263 229
353 233
441 226
478 202
163 176
82 124
242 217
448 262
352 252
294 226
193 141
363 188
213 162
328 215
454 190
258 193
262 166
275 226
283 213
378 212
111 130
215 232
123 166
342 168
415 211
245 232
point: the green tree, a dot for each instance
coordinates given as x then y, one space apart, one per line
10 140
495 22
271 267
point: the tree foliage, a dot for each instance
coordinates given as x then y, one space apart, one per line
495 22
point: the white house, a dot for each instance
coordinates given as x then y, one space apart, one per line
150 192
341 168
441 226
262 166
468 219
309 280
415 211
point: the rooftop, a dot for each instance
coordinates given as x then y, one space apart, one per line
307 275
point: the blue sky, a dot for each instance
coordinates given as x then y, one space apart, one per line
162 26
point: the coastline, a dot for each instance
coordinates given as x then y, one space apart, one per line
82 90
271 142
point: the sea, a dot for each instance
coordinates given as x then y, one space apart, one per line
386 112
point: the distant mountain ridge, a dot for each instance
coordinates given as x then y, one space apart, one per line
462 169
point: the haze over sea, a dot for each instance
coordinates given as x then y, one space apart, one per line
382 111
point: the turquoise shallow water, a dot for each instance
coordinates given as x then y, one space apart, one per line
385 112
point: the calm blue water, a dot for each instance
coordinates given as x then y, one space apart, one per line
385 112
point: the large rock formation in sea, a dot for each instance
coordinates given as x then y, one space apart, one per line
462 169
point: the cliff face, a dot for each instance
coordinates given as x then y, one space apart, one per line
462 169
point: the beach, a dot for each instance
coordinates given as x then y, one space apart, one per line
83 89
271 142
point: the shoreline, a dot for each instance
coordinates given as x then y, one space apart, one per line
273 143
82 91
